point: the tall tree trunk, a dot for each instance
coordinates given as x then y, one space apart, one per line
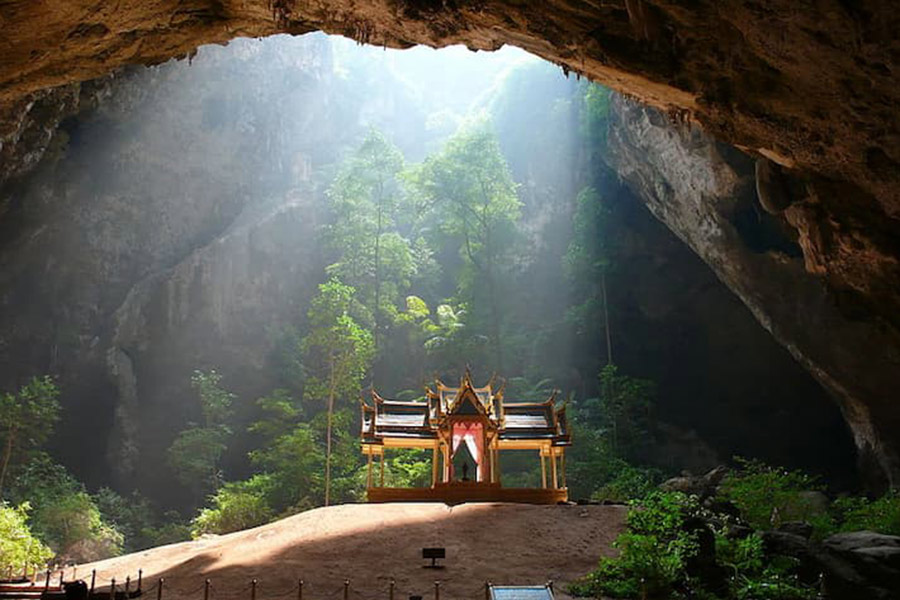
7 455
377 311
328 438
609 358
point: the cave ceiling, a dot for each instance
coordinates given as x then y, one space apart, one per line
810 85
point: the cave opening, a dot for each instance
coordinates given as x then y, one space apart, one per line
182 223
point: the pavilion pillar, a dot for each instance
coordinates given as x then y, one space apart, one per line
447 463
562 464
495 471
553 471
434 464
543 471
382 469
369 470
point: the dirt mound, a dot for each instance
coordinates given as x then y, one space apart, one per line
370 544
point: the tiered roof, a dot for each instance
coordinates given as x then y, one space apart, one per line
386 418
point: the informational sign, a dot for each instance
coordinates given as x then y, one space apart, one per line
521 592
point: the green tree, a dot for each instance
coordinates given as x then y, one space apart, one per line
19 548
372 256
28 418
625 411
235 506
586 264
288 454
469 183
196 452
338 352
64 515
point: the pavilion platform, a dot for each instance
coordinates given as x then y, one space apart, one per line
458 492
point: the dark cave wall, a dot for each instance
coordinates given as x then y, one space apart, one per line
707 195
162 237
724 383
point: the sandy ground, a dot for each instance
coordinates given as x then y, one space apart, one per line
370 544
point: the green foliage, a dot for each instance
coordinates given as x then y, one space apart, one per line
195 453
881 514
755 576
595 114
64 515
469 185
19 548
768 496
138 521
408 468
215 401
26 421
337 354
293 462
611 432
653 552
337 349
658 547
235 506
628 482
281 411
625 410
372 256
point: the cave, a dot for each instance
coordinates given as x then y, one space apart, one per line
752 172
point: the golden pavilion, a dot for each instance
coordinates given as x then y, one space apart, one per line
465 426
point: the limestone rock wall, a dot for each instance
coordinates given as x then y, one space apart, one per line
791 269
167 232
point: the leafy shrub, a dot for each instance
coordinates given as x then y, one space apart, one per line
172 530
64 515
653 552
881 515
629 483
237 505
768 496
754 576
18 546
660 545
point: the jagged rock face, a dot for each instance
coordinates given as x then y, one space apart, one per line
162 239
813 88
822 281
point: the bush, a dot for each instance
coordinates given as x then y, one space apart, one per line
661 548
18 546
881 515
754 576
653 552
629 483
769 496
236 506
64 515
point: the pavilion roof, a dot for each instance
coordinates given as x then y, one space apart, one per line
422 419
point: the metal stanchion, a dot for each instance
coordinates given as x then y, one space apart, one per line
253 590
346 589
112 589
127 585
159 588
391 590
300 589
487 590
437 590
140 579
93 581
206 590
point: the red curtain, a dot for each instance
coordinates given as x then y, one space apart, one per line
472 433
